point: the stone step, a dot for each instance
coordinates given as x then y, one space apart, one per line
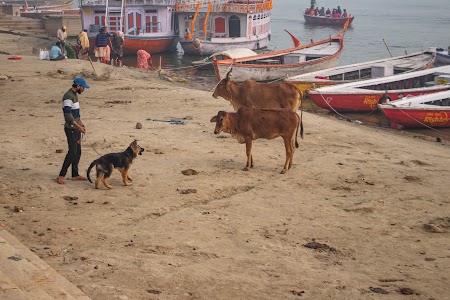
25 276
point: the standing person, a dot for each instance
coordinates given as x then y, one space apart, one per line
144 59
338 10
56 53
61 34
83 43
117 48
101 41
74 129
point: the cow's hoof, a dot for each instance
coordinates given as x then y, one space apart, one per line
245 169
283 172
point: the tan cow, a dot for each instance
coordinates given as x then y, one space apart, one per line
259 95
248 124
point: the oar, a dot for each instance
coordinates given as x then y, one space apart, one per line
387 48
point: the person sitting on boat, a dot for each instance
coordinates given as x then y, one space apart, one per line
101 41
336 14
312 12
344 14
316 11
306 12
322 12
144 59
338 10
385 98
328 13
188 34
56 53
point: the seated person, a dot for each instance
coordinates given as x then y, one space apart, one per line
344 14
385 98
322 12
328 13
56 53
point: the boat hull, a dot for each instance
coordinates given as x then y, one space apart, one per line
418 117
443 57
365 100
224 44
150 44
359 71
242 72
326 21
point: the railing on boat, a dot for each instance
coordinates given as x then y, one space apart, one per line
225 6
128 2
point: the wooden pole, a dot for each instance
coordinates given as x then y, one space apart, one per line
92 66
387 48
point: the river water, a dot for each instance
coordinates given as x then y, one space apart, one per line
405 25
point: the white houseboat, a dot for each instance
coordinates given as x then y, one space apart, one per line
146 24
207 26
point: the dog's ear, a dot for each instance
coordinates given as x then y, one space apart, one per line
214 119
134 143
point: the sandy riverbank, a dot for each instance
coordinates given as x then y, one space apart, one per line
367 194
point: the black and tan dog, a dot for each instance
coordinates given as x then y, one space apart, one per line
121 161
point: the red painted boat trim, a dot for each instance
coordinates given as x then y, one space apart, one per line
411 117
361 102
151 45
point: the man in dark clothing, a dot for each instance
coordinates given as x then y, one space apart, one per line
74 129
338 10
101 41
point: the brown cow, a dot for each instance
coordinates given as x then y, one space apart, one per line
248 124
259 95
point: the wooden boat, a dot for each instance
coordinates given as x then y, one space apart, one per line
431 110
207 27
283 63
365 70
146 24
27 8
233 53
364 95
329 21
443 57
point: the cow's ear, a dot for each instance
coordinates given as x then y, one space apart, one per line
214 119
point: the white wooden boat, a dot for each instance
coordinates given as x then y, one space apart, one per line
284 63
443 56
431 110
365 70
207 27
233 53
364 95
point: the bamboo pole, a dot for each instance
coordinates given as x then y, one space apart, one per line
387 47
95 72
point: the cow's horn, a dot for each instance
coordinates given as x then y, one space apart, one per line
229 74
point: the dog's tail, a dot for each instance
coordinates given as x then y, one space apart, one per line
94 163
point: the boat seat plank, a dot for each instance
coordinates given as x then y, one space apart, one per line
31 274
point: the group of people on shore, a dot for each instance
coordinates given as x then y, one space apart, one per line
335 13
108 48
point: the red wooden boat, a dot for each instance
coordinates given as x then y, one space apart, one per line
432 110
363 96
330 21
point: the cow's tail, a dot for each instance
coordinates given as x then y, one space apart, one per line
301 110
94 163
